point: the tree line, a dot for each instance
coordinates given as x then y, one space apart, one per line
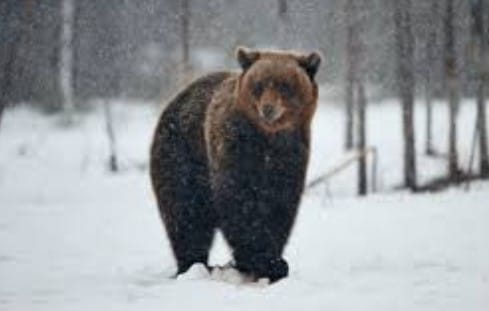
56 54
440 51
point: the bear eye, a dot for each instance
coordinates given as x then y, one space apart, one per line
285 89
258 89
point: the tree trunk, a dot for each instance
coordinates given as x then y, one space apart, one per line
482 129
431 43
282 9
185 20
362 140
8 51
66 57
453 96
6 79
351 64
284 38
406 85
429 150
483 59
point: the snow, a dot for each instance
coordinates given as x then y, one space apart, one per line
75 237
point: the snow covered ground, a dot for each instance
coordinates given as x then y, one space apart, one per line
75 237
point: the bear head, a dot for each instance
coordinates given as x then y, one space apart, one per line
276 89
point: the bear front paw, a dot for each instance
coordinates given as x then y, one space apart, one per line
264 266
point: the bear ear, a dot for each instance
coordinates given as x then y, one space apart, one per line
310 63
246 57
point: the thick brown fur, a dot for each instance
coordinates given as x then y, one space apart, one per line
230 152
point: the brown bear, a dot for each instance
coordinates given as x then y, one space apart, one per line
230 152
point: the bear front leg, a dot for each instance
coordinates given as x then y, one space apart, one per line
246 224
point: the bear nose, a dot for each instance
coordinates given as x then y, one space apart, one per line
268 112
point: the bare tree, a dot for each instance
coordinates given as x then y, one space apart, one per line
3 104
13 50
431 44
284 30
185 20
7 52
406 84
482 128
351 69
452 85
480 12
66 57
362 139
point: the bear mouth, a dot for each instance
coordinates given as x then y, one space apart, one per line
277 125
270 115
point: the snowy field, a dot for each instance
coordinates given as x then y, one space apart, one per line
75 237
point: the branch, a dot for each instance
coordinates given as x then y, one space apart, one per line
354 156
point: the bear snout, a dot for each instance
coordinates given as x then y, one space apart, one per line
270 113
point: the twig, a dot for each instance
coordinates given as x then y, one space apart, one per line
346 163
113 165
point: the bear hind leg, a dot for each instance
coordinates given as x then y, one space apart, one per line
192 230
192 246
185 206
